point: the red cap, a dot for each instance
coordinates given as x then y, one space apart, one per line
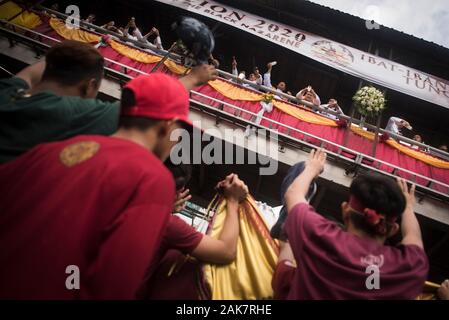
158 96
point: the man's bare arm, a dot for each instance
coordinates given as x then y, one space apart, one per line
198 76
297 191
411 231
223 249
32 75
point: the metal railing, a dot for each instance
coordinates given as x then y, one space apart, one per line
359 160
359 157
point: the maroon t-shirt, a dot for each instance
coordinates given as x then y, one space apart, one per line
332 263
175 276
99 203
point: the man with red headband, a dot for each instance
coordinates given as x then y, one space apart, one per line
354 263
84 218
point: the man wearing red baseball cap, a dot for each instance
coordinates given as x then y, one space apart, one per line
84 218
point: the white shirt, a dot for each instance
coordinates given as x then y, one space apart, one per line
267 80
392 125
267 83
300 93
324 113
270 214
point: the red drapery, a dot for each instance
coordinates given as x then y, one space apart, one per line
336 135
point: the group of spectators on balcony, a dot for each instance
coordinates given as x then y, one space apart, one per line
307 94
395 125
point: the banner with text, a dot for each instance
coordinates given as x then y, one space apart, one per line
352 61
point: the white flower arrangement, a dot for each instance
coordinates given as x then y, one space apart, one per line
369 101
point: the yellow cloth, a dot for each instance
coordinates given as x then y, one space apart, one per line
428 159
134 54
233 92
429 292
26 19
250 275
174 67
304 115
73 34
145 57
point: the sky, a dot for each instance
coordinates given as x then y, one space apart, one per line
426 19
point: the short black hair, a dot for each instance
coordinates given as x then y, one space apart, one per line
71 62
182 173
379 193
128 100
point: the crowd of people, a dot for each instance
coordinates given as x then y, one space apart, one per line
89 183
83 182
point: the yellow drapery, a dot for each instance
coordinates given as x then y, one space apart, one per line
428 159
174 67
73 34
134 54
25 19
234 92
145 57
429 292
304 115
127 51
250 275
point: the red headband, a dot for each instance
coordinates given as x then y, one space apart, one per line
374 218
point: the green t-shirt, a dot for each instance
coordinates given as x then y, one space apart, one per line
45 117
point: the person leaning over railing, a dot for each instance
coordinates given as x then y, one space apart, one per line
395 125
54 99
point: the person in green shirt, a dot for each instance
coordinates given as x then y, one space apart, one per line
54 99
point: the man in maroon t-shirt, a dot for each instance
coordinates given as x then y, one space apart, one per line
84 218
322 261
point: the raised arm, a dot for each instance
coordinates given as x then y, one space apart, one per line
145 37
300 95
223 249
411 231
198 76
267 76
235 72
32 75
297 191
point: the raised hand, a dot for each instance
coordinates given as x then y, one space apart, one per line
316 162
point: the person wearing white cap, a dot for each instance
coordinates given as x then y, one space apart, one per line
396 124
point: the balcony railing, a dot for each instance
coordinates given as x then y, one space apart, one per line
359 160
